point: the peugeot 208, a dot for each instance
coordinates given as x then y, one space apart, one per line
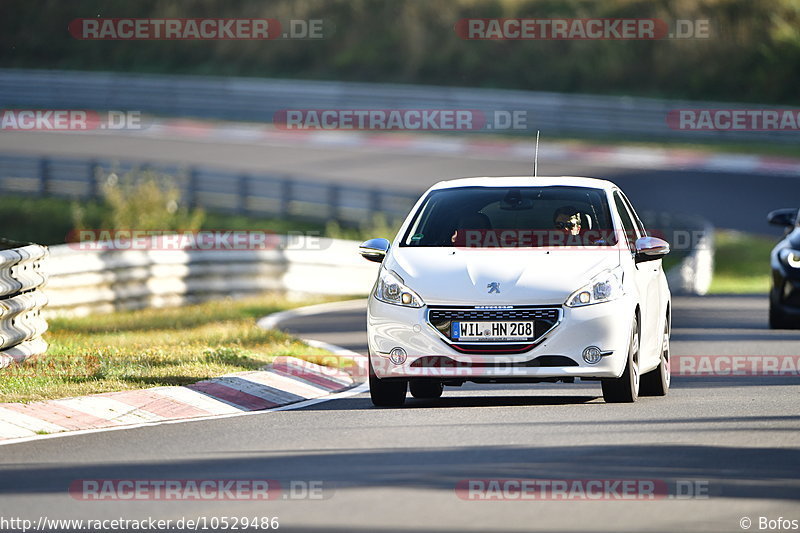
519 279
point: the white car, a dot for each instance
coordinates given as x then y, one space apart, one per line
519 279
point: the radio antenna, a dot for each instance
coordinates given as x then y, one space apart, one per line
536 156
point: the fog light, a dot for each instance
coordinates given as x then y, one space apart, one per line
592 355
397 356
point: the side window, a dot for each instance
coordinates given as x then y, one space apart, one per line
628 225
636 219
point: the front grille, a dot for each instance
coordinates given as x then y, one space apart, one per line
543 318
517 313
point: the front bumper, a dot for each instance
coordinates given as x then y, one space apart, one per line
606 325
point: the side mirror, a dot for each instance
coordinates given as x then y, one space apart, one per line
783 217
650 249
374 249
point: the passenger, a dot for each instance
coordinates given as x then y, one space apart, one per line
570 231
568 220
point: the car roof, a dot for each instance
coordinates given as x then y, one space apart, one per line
525 181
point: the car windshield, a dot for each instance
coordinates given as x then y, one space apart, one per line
487 217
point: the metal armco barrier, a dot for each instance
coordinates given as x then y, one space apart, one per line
254 99
90 281
22 276
696 271
692 238
216 190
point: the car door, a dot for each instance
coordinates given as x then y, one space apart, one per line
646 279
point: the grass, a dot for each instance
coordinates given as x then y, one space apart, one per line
152 347
741 263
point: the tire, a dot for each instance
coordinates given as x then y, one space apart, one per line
426 390
779 320
625 389
656 382
385 393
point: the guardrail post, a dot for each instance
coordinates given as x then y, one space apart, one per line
243 193
333 201
94 179
44 176
286 197
375 206
191 188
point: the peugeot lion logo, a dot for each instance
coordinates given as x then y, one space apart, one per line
494 287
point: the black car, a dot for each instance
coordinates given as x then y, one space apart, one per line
784 297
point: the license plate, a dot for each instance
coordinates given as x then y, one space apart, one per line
491 331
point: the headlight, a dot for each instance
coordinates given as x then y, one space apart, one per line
790 257
391 289
605 287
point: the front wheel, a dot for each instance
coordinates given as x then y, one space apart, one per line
625 389
779 320
386 393
656 382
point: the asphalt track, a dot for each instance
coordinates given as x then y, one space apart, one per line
397 469
728 199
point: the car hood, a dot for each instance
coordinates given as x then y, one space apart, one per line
524 276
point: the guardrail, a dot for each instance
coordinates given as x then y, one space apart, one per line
90 281
238 192
252 99
692 239
22 276
696 271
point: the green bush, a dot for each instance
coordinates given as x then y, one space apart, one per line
146 200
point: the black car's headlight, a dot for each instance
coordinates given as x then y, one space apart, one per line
392 290
790 257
